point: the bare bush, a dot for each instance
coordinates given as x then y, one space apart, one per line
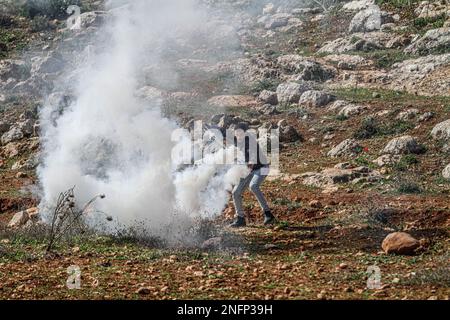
67 219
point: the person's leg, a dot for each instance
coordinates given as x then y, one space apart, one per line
255 184
237 200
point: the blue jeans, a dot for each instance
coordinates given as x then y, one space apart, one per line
253 181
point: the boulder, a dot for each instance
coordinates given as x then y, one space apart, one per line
333 176
357 5
350 110
403 145
21 218
367 20
432 40
315 98
14 134
290 92
427 75
446 172
345 148
408 114
400 243
386 159
441 131
356 42
268 97
289 134
303 68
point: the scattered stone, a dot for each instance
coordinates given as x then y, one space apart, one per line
315 98
328 178
367 20
387 160
403 145
268 110
144 291
426 116
289 134
268 97
345 148
432 40
426 75
408 114
348 62
357 5
442 131
303 68
271 246
20 218
315 204
350 110
290 92
14 134
446 172
400 243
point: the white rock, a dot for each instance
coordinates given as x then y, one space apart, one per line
366 20
315 98
446 172
357 5
14 134
346 147
403 145
269 97
442 130
290 92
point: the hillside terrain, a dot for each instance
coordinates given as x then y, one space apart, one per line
360 91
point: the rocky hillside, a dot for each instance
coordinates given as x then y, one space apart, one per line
360 91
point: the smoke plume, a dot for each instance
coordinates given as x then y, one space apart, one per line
109 141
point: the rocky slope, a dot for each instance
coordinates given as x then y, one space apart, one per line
360 91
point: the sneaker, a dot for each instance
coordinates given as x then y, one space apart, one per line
269 218
238 223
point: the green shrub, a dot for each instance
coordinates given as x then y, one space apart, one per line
265 84
406 183
367 129
39 23
406 162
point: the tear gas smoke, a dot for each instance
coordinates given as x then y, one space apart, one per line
110 142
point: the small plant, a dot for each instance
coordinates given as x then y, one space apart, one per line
406 162
341 117
265 84
67 219
407 184
39 23
368 129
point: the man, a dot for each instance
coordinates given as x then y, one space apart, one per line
258 165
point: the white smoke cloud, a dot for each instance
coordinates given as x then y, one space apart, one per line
109 142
